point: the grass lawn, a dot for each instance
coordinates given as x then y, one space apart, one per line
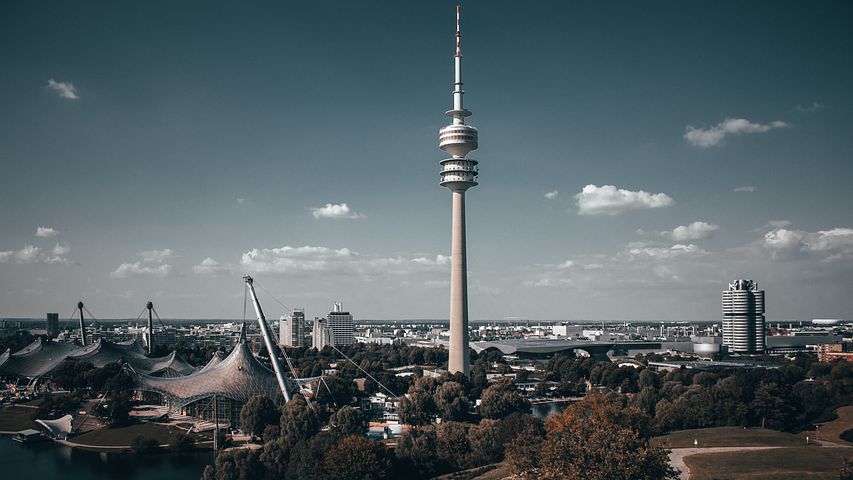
728 437
124 435
14 418
775 464
830 431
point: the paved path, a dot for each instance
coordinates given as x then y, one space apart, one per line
676 456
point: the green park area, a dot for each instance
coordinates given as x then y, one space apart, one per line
728 437
14 418
785 463
124 435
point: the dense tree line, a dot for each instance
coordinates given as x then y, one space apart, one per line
111 380
793 395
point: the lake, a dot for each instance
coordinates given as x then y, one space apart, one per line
48 460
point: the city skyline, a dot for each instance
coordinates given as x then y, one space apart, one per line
638 160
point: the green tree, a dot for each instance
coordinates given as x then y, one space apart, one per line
258 413
335 391
237 464
596 439
356 458
452 445
416 454
297 420
348 421
451 402
502 399
276 457
523 452
418 406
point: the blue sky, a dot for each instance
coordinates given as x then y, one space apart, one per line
634 157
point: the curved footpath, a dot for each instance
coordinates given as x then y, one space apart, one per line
677 455
107 448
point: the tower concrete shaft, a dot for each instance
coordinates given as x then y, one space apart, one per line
458 361
458 174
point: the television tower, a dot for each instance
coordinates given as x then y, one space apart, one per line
458 174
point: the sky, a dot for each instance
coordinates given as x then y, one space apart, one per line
635 157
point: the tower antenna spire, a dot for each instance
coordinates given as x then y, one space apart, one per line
458 30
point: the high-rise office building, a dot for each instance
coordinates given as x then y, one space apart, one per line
340 325
458 174
743 317
291 329
320 335
52 325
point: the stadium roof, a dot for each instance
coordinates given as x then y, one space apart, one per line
239 376
35 359
40 357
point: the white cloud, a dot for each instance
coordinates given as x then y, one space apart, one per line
439 260
693 231
437 284
46 232
609 200
547 282
209 266
242 201
815 106
745 188
28 254
566 264
289 260
778 224
335 211
34 254
831 245
712 137
65 89
156 256
663 253
552 195
138 269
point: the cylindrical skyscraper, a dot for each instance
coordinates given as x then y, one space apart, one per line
458 174
743 317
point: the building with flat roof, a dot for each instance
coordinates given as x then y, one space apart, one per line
291 329
52 325
340 326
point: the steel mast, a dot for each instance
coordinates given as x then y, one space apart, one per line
150 307
82 325
268 340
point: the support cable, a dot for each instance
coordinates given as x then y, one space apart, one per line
363 370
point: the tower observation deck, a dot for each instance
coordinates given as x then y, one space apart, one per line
458 174
458 139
